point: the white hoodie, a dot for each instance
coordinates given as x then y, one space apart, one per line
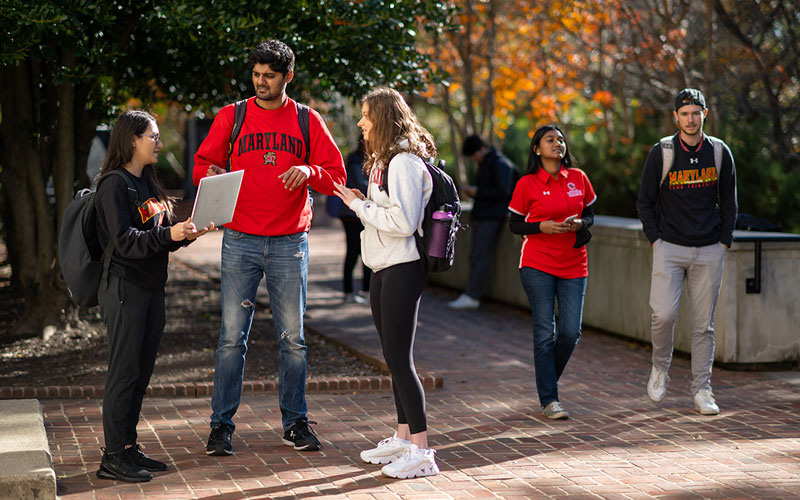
391 220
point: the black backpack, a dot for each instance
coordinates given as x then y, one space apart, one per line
84 263
444 197
240 110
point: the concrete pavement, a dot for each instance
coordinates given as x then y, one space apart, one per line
484 421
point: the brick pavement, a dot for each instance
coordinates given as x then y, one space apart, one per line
484 421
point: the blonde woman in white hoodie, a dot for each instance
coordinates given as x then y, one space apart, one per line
391 213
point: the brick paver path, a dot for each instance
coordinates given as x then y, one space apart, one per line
484 422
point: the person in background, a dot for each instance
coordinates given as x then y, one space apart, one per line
356 179
688 215
133 212
268 237
495 179
552 209
392 211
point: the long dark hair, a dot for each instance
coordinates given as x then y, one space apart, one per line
130 124
392 119
534 160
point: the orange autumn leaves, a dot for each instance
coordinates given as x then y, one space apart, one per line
515 58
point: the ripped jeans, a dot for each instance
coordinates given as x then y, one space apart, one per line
284 262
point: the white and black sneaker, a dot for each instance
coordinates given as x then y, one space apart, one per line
387 451
301 437
414 463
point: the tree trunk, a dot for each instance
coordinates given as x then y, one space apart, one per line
469 70
491 48
32 237
64 171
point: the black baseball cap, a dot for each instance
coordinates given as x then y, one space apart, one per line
689 96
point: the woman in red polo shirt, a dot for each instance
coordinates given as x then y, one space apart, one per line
552 209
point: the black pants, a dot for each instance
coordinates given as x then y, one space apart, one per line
135 319
394 298
483 242
352 231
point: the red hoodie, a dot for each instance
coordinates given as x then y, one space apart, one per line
269 143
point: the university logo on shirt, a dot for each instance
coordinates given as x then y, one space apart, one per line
270 158
573 190
377 176
693 178
151 208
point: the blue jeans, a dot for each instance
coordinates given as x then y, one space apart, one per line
284 262
552 348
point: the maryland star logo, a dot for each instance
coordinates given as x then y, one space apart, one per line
270 158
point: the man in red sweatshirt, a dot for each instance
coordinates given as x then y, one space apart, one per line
267 237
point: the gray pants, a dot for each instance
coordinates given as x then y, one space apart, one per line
702 268
484 238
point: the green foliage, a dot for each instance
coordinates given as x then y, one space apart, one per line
766 188
194 51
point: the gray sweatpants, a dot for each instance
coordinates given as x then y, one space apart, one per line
702 268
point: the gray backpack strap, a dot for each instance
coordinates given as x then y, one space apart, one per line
302 120
667 156
718 147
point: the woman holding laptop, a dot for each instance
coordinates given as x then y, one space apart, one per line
133 212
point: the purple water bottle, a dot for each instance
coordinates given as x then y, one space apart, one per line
437 245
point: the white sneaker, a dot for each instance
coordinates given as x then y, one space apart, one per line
704 402
413 463
387 451
464 301
657 385
555 411
354 298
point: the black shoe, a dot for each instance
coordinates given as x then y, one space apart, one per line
301 436
120 466
145 462
219 442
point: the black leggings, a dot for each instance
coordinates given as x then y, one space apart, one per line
394 298
352 231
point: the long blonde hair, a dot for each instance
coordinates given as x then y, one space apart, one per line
393 120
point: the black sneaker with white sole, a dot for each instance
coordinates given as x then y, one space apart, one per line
121 467
301 437
219 441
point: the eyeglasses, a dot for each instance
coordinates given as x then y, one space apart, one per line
155 137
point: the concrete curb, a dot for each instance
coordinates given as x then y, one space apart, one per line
26 466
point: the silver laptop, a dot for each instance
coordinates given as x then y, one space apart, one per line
216 199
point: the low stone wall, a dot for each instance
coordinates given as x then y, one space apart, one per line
750 328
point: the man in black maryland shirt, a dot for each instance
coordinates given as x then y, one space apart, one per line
688 215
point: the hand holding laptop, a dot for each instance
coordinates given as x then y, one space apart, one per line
214 170
186 230
216 198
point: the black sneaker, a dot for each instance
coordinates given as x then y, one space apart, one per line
219 442
143 461
120 466
301 436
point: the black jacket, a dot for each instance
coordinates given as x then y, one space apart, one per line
140 230
495 181
692 207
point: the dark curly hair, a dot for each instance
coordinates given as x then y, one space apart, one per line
275 53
